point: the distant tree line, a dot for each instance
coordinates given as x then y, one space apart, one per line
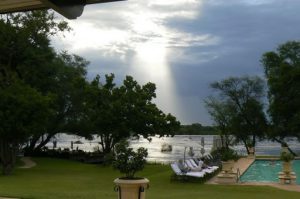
196 129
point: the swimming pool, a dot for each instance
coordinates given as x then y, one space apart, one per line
267 171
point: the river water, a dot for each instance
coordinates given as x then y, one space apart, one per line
179 143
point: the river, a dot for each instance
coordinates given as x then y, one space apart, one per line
178 143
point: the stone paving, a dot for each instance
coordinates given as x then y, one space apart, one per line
242 165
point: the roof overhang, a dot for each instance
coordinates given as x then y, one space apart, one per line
70 9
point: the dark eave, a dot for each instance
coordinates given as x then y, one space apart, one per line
70 9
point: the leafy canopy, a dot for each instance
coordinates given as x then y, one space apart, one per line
282 70
118 112
237 108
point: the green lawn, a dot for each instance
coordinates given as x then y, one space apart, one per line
60 179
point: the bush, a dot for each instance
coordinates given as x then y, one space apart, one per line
128 161
225 154
286 156
109 158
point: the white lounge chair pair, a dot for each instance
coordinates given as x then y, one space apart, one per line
179 172
194 167
194 170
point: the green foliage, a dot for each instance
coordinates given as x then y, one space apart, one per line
225 154
25 44
128 161
23 110
238 109
282 70
286 156
29 64
196 129
118 112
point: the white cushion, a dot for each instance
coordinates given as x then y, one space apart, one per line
200 164
176 169
193 163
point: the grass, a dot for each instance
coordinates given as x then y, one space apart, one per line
62 179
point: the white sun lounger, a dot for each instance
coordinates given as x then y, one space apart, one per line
211 169
178 172
193 163
189 164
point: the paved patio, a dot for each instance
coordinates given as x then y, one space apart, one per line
242 165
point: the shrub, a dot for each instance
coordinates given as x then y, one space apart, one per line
286 156
225 154
128 161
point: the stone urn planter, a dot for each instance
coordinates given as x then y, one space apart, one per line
287 167
287 176
227 166
287 159
128 162
131 189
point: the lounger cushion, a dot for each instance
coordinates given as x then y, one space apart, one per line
193 163
200 163
198 174
176 169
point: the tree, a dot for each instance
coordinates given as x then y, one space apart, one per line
26 55
116 113
238 108
23 111
282 70
67 83
24 48
222 116
25 44
196 129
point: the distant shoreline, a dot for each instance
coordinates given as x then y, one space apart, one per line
196 129
202 133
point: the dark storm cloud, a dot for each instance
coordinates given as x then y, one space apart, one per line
245 32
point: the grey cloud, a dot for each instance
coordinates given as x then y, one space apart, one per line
237 33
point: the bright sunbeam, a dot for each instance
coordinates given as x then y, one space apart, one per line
150 64
154 56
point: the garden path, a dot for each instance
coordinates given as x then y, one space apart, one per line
28 163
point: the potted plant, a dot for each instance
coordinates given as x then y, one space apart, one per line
286 158
128 162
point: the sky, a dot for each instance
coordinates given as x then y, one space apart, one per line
181 45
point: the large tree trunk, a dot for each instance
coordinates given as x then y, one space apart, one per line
31 146
8 152
284 143
246 145
44 142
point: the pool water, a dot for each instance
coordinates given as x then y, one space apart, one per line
267 171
